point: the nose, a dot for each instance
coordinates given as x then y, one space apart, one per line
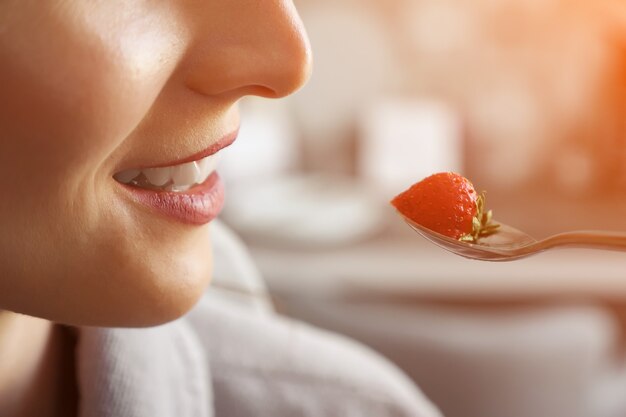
247 47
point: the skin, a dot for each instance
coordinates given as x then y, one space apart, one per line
93 87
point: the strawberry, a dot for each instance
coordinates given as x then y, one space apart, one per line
447 203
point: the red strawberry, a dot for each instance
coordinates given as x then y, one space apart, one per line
446 203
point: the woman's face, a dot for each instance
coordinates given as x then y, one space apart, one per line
93 90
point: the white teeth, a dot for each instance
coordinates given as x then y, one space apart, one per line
207 166
185 174
127 176
158 176
173 178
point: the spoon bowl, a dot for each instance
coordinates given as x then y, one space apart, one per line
508 243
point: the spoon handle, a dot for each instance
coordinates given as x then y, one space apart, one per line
587 239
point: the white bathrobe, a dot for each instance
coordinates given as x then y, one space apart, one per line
232 356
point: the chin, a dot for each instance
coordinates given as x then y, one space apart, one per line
161 290
149 288
138 272
160 307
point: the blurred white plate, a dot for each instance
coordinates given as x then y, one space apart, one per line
306 211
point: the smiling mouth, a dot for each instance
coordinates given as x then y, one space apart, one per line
187 190
175 178
178 176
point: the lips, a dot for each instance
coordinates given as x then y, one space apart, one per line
187 190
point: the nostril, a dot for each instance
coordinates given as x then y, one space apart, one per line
269 57
261 91
236 93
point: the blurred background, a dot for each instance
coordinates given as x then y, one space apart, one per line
526 98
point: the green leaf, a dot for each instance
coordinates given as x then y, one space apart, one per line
482 225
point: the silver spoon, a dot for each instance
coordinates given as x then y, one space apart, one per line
508 243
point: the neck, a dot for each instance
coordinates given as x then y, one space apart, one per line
36 371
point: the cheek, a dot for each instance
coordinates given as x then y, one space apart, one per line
72 94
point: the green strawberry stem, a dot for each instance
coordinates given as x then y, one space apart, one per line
481 223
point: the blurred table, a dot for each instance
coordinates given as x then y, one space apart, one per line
402 264
417 305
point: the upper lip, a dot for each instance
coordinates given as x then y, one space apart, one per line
210 150
213 148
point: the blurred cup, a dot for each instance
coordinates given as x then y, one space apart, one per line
267 145
402 141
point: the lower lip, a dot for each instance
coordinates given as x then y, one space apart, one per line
196 206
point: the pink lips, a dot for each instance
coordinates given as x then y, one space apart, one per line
196 206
